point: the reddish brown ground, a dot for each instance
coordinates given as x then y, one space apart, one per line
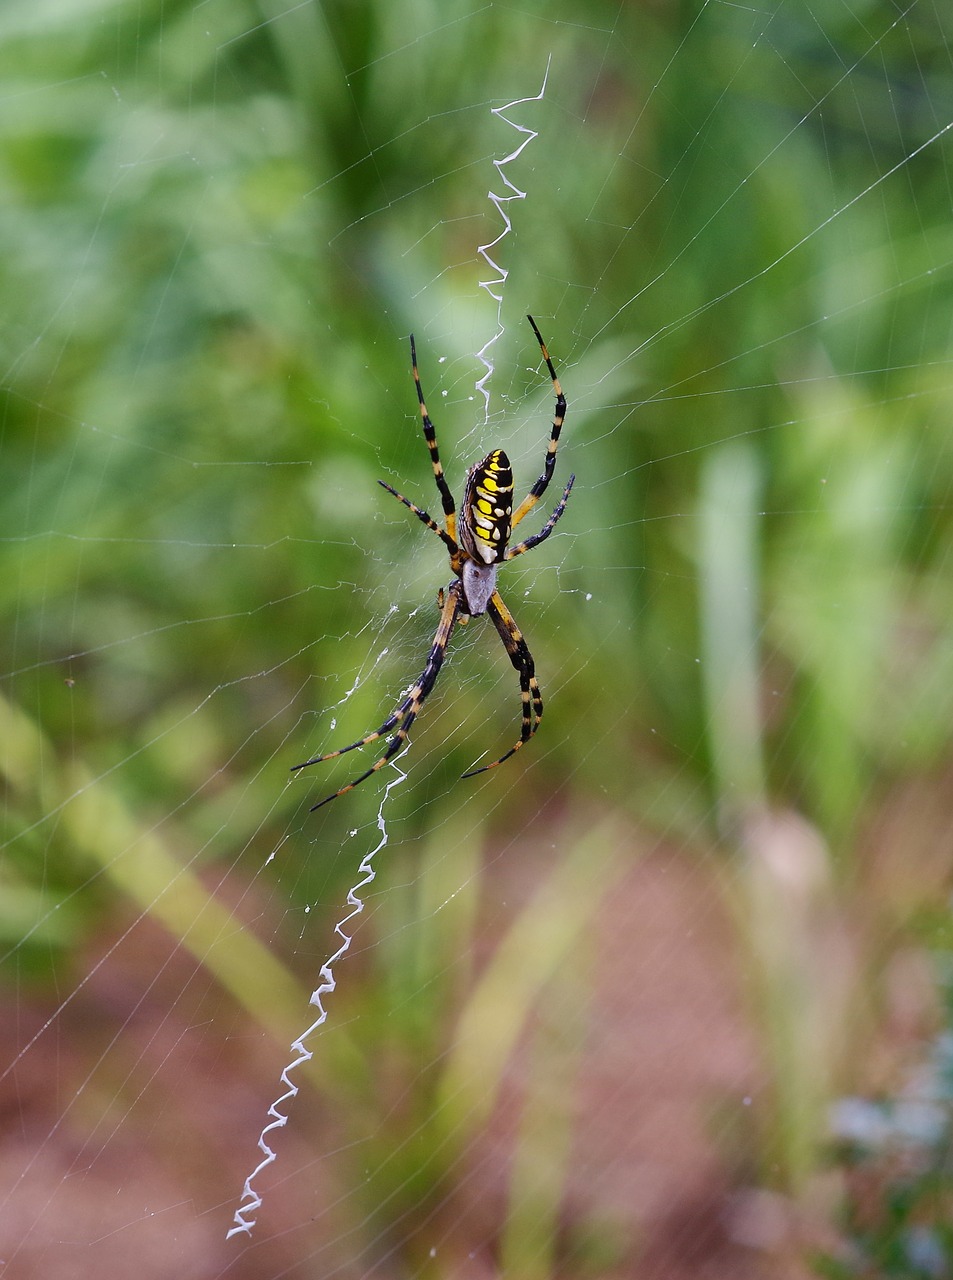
129 1126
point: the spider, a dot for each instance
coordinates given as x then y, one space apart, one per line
486 522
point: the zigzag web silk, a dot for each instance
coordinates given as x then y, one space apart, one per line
245 1216
495 285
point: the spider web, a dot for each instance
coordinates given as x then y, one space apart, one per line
595 1006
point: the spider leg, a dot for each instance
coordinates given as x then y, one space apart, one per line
422 515
430 435
541 485
522 660
406 712
547 528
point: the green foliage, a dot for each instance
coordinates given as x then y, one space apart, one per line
898 1154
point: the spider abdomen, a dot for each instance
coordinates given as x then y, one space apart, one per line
485 520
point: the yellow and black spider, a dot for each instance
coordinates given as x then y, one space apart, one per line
486 521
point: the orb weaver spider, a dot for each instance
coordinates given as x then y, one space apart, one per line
486 522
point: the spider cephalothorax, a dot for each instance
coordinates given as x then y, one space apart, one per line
487 520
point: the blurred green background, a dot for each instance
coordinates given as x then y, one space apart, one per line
612 1009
